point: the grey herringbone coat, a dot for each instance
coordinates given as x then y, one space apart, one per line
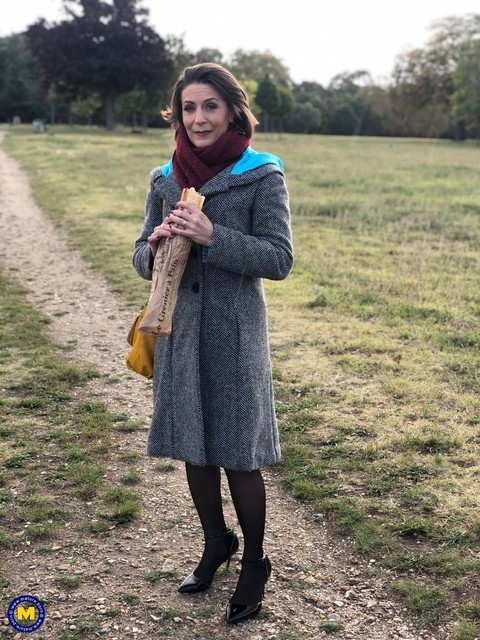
212 383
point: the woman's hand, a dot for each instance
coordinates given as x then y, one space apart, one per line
189 221
186 220
164 230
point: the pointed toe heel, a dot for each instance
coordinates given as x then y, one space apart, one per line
193 584
237 612
240 612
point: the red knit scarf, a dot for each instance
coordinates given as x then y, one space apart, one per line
194 166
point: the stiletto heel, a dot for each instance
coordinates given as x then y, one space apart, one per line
237 612
192 584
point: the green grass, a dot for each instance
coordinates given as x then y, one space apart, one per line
375 335
330 627
124 504
156 576
131 599
425 600
68 581
54 441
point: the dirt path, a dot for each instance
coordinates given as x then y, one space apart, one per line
315 578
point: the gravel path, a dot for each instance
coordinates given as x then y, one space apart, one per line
315 579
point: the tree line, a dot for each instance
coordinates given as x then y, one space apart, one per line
104 64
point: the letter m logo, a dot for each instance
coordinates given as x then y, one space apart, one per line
25 614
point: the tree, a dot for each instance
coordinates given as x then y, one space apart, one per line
306 118
268 99
343 120
251 88
142 106
286 104
85 109
254 65
380 118
179 58
419 96
348 83
423 78
209 55
19 81
102 48
347 111
275 101
310 108
466 78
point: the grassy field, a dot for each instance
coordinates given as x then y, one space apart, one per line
375 335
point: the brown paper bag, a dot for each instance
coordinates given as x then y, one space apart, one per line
168 269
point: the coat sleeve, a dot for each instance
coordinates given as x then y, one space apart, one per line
267 251
142 256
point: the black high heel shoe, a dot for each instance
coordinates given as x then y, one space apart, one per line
192 584
239 612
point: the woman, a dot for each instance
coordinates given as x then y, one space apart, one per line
212 382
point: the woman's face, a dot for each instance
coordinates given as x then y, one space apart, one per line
205 114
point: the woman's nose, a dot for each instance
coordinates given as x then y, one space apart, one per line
200 116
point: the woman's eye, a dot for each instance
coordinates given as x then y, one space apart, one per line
211 106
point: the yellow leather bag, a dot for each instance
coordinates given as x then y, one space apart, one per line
140 358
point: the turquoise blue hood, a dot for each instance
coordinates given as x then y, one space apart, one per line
249 160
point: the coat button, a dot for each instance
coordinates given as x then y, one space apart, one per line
195 287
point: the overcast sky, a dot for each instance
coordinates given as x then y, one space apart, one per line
315 39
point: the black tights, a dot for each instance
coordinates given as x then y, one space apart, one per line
248 495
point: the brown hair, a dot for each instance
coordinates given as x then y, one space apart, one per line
227 86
